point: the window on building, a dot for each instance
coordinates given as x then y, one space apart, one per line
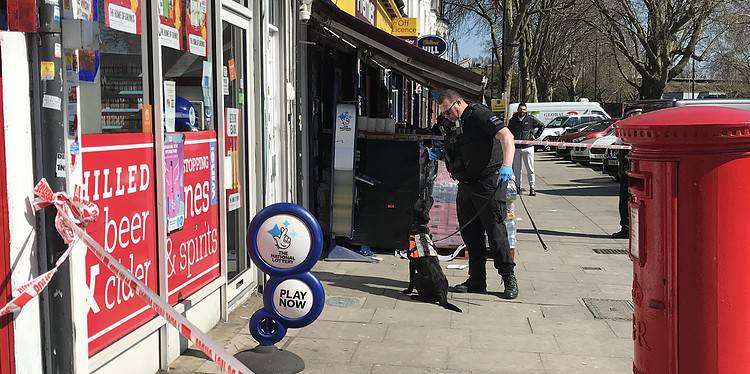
274 12
111 79
187 70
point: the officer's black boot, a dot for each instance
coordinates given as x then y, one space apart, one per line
468 287
511 286
532 192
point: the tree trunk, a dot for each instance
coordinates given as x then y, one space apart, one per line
651 89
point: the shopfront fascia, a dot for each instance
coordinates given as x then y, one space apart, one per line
164 113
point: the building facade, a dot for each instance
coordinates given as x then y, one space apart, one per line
177 119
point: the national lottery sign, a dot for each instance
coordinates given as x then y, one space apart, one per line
285 241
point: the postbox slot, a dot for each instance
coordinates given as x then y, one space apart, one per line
640 184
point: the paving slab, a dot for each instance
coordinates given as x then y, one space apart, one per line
566 364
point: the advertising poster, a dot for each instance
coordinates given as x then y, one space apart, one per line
170 24
118 176
88 65
123 15
82 9
193 252
174 172
170 104
196 16
231 158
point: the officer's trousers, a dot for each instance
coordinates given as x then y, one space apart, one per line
624 200
489 226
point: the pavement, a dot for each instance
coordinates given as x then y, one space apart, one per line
369 326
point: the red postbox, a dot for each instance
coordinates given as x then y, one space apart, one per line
690 239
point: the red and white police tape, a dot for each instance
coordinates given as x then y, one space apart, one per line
72 213
565 144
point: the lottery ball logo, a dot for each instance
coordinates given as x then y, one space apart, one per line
283 241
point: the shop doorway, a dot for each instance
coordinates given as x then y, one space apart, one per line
6 322
273 110
240 152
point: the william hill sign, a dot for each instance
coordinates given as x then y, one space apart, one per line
433 44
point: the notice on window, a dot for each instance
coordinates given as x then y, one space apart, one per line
174 177
195 27
233 121
170 102
193 252
123 15
170 24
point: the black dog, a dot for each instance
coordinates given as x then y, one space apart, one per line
428 278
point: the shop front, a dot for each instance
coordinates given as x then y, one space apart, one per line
365 86
179 131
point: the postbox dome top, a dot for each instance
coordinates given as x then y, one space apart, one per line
688 126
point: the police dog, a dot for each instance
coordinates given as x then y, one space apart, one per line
425 274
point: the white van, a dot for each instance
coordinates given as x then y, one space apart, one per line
546 112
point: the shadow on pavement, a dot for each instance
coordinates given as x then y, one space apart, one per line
609 190
595 181
369 284
562 233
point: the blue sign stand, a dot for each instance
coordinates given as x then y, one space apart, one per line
284 241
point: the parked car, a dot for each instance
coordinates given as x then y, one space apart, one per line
610 162
559 125
595 129
581 154
596 155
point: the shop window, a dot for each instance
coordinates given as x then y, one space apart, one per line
111 78
274 13
186 49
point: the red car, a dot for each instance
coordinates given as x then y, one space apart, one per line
595 129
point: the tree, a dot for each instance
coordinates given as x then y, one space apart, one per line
656 37
486 16
730 62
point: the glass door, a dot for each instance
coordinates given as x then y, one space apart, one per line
273 102
240 134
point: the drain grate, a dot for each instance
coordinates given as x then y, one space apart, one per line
610 251
592 268
342 301
610 308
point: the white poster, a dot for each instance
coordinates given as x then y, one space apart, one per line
233 122
170 102
121 18
169 36
345 128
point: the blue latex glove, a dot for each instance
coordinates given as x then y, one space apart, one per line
506 174
434 153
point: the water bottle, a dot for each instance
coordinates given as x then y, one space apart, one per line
511 192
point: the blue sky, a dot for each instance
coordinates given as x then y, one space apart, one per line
470 45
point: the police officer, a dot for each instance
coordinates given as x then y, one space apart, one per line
524 127
623 166
479 154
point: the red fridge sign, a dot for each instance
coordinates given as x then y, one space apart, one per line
123 15
118 176
196 32
193 256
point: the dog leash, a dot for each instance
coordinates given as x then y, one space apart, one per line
479 213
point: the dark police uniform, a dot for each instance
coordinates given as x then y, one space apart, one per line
474 158
622 170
